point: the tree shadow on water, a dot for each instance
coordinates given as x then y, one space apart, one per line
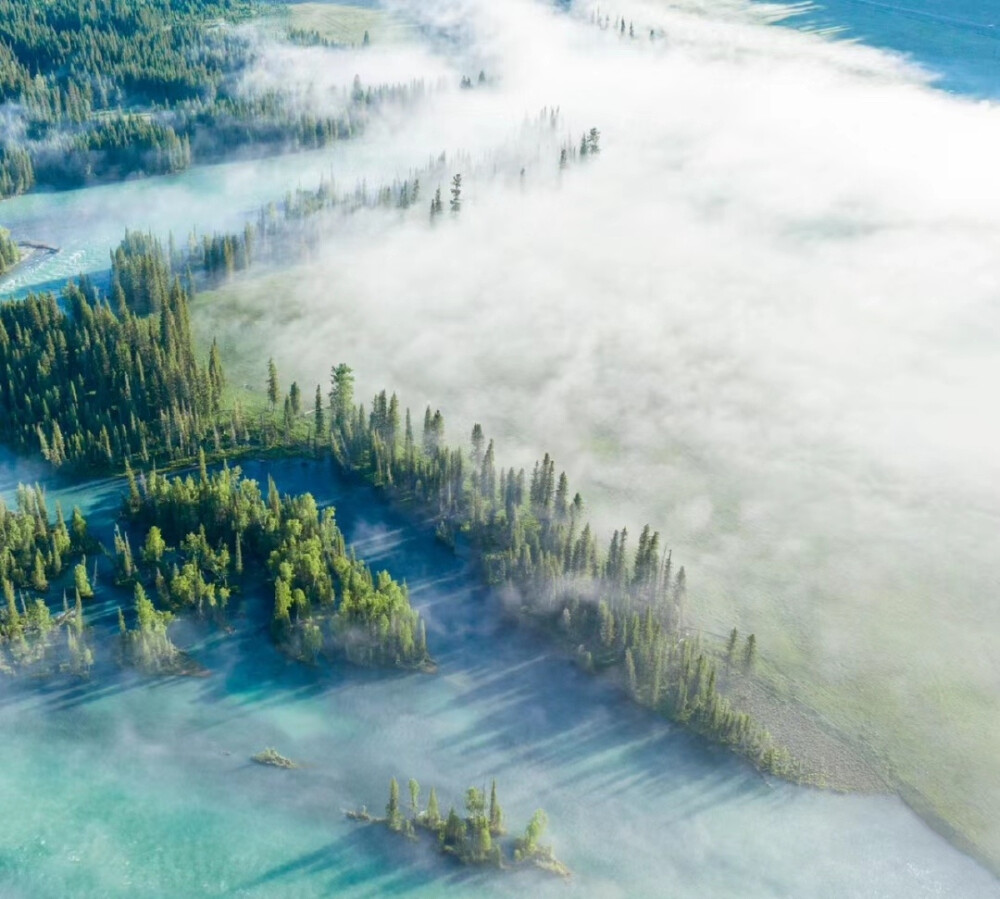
581 734
368 855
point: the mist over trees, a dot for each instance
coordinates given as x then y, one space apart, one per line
36 551
622 611
224 531
137 392
104 92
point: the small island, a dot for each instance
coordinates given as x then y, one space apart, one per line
475 839
275 759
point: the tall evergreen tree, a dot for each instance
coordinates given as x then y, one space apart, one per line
272 384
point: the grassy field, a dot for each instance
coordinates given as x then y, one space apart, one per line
345 24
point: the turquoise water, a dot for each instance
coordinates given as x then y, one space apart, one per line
132 787
958 40
85 225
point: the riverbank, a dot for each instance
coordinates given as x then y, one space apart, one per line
30 252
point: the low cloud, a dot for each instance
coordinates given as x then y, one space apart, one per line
764 319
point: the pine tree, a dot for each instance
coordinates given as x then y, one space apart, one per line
154 547
83 587
38 579
414 797
393 815
496 813
433 810
453 834
341 396
750 654
734 637
319 423
528 844
215 374
594 142
630 675
272 384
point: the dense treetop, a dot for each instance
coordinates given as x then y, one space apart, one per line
10 255
89 386
65 60
35 551
107 89
326 601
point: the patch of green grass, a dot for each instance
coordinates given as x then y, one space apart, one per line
344 24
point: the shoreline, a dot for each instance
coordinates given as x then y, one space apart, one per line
30 250
848 766
858 768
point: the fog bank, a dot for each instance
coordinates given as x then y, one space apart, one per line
764 319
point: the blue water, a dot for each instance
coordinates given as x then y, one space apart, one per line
126 786
957 40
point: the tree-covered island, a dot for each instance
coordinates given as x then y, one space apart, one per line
478 838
